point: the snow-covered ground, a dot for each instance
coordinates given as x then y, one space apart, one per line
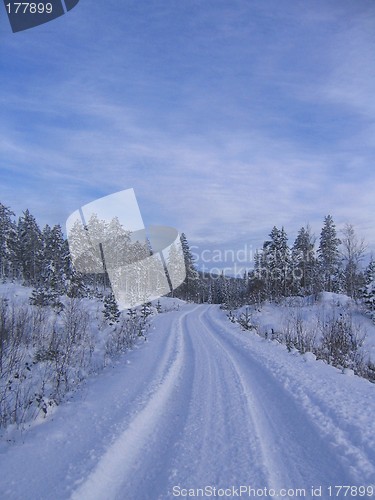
202 404
46 353
312 313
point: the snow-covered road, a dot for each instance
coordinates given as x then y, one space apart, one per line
200 404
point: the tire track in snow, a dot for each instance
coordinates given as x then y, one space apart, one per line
255 423
216 446
332 457
117 463
240 423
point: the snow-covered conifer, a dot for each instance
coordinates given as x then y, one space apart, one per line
111 311
8 242
329 256
189 288
276 264
30 247
304 265
369 288
352 255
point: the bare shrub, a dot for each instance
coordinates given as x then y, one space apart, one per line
123 335
298 334
332 337
45 354
342 343
246 321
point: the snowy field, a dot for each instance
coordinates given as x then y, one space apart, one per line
271 319
200 405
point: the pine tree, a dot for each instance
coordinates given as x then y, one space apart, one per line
209 294
111 311
369 288
74 285
352 255
30 248
176 267
257 279
8 240
189 287
222 296
43 296
276 263
304 263
285 264
84 247
51 280
53 265
329 256
146 311
116 245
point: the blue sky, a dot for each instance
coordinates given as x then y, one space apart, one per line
226 117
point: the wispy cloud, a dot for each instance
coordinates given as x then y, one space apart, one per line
225 119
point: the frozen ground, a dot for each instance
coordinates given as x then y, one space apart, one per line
202 403
311 312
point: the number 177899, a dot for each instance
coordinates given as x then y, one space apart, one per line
29 8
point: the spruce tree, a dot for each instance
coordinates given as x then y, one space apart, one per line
352 255
276 263
257 279
176 267
190 285
111 311
53 265
303 263
369 288
49 283
30 248
329 257
146 311
8 240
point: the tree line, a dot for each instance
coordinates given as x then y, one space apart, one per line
334 263
302 269
40 258
37 257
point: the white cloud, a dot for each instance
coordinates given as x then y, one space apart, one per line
218 140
